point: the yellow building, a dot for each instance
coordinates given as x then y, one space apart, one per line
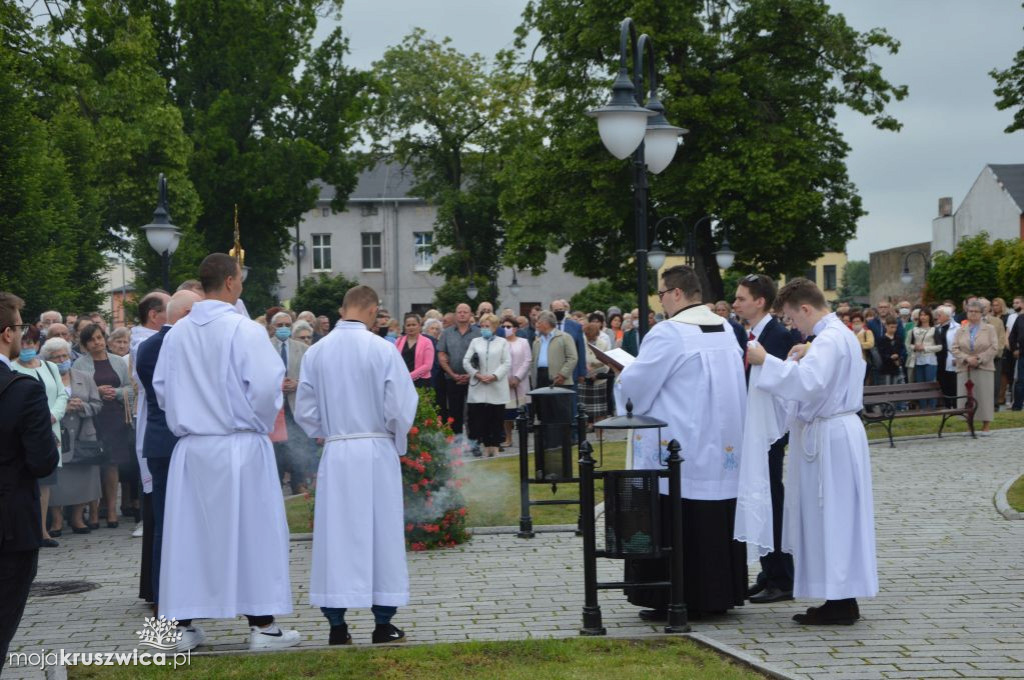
827 271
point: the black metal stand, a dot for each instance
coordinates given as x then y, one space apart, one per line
563 464
591 610
525 521
677 616
677 604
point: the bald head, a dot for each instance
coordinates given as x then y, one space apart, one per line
192 285
180 305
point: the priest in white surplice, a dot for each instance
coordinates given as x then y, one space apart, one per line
225 541
355 393
828 522
689 373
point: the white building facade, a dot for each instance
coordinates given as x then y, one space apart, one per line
993 204
383 239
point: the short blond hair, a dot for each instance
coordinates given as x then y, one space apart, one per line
488 318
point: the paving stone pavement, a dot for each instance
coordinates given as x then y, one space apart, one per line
950 569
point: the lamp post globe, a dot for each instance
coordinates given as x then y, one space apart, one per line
514 286
661 138
906 277
472 291
725 256
162 235
656 256
622 123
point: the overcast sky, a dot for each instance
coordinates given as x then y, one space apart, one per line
951 126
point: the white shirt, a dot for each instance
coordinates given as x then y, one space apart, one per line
6 361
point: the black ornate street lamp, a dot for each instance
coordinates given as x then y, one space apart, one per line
163 236
724 256
906 277
628 127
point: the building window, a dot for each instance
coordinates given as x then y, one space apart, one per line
423 256
812 274
321 252
369 209
829 274
371 250
325 212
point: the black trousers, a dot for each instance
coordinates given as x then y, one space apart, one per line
456 394
17 571
146 578
947 380
160 469
777 566
487 423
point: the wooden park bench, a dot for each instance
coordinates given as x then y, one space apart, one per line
880 405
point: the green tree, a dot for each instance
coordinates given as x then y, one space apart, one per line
261 132
970 270
448 116
38 209
601 295
1010 271
322 295
1010 91
452 293
856 279
756 82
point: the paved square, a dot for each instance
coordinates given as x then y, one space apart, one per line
950 568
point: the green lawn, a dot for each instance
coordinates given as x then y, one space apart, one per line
929 425
1015 495
577 659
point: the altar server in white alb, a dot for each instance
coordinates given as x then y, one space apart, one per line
828 521
355 393
689 373
225 540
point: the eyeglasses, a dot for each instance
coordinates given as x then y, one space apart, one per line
661 293
18 327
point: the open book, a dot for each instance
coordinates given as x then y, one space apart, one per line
615 359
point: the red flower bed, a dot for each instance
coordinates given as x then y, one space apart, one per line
435 511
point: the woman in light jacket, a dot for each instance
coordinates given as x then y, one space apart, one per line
416 351
488 386
921 343
79 481
110 373
56 398
518 375
974 349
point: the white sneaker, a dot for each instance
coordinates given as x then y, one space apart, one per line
138 531
191 637
272 637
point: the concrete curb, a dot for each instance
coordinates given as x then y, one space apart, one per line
1002 505
945 435
742 657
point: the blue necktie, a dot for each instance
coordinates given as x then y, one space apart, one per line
284 354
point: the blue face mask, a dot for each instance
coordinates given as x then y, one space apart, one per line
27 355
64 366
486 333
283 333
392 334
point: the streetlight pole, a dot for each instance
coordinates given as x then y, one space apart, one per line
628 127
906 277
163 236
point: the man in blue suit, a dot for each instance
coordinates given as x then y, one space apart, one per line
575 331
755 296
158 444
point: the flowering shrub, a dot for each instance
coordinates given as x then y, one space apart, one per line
435 511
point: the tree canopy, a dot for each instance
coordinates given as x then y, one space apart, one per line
756 82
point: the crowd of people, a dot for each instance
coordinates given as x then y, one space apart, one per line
106 398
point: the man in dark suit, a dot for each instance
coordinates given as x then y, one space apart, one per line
575 331
946 377
755 296
28 451
158 444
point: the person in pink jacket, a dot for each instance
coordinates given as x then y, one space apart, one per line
417 351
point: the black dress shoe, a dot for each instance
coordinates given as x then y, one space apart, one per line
387 633
832 613
55 533
772 594
49 543
755 589
81 530
111 525
657 615
339 635
95 526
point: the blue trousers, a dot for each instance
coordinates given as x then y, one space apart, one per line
926 373
381 614
159 468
